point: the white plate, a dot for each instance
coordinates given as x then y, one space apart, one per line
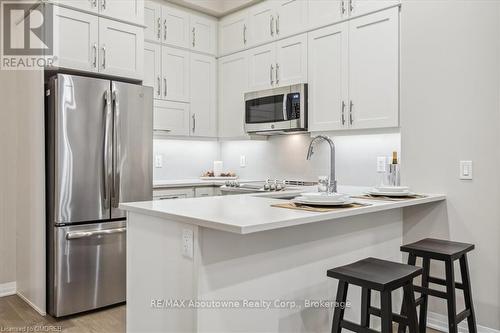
390 194
219 178
327 197
392 189
304 201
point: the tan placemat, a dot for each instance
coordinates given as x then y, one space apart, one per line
385 198
320 209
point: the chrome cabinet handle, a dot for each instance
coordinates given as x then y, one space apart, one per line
194 122
103 4
194 37
343 113
351 120
277 73
271 25
159 28
165 86
244 34
351 7
277 24
159 86
94 3
104 57
165 29
342 7
271 74
94 62
86 234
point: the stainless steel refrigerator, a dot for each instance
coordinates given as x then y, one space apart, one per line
99 137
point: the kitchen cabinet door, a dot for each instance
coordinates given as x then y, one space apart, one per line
175 27
175 70
233 32
152 21
233 83
262 22
361 7
174 193
121 49
328 78
262 67
76 37
203 34
374 70
85 5
291 17
125 10
291 60
152 68
204 192
171 118
325 12
203 96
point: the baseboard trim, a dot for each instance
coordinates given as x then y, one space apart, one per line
8 289
439 322
37 309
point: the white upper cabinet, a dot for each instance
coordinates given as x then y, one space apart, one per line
203 91
76 39
361 7
175 69
175 26
291 61
233 83
325 12
374 70
125 10
152 68
262 67
171 118
262 22
233 32
291 17
86 5
152 21
203 34
121 49
328 78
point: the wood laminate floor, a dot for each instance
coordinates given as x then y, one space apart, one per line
17 316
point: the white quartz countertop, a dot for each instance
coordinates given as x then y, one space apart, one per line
249 213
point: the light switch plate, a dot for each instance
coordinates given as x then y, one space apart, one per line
158 161
466 170
187 243
243 161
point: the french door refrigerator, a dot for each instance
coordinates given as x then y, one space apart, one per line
99 137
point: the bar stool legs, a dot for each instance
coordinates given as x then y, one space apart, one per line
338 315
464 270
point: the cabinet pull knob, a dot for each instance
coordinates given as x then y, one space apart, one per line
271 74
194 122
94 62
103 57
277 73
159 86
343 113
271 25
351 120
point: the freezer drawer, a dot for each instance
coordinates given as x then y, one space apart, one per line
86 267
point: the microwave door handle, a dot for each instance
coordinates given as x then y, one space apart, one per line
116 151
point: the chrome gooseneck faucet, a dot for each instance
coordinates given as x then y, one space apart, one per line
332 187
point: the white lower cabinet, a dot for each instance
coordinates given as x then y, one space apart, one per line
171 118
233 83
173 193
203 96
354 73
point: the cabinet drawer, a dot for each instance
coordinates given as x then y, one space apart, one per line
174 193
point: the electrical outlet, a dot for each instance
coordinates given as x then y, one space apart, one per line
187 243
158 161
381 163
466 170
243 161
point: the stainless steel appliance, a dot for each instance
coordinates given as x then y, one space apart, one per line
98 153
235 187
276 111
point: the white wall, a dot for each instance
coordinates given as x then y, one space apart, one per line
184 159
285 157
450 112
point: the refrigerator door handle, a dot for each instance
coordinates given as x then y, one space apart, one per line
85 234
116 151
106 150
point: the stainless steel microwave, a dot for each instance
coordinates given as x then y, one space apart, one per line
277 110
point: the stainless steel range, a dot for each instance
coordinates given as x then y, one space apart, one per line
275 185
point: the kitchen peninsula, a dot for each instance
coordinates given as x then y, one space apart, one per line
268 263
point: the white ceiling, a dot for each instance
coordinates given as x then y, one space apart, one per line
216 7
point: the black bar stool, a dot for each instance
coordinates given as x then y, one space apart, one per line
448 252
380 275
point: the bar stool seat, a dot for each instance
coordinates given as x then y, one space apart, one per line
380 275
448 252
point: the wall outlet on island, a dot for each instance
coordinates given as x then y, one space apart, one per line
187 243
243 161
158 161
381 163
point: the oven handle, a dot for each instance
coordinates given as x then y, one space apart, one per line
86 234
